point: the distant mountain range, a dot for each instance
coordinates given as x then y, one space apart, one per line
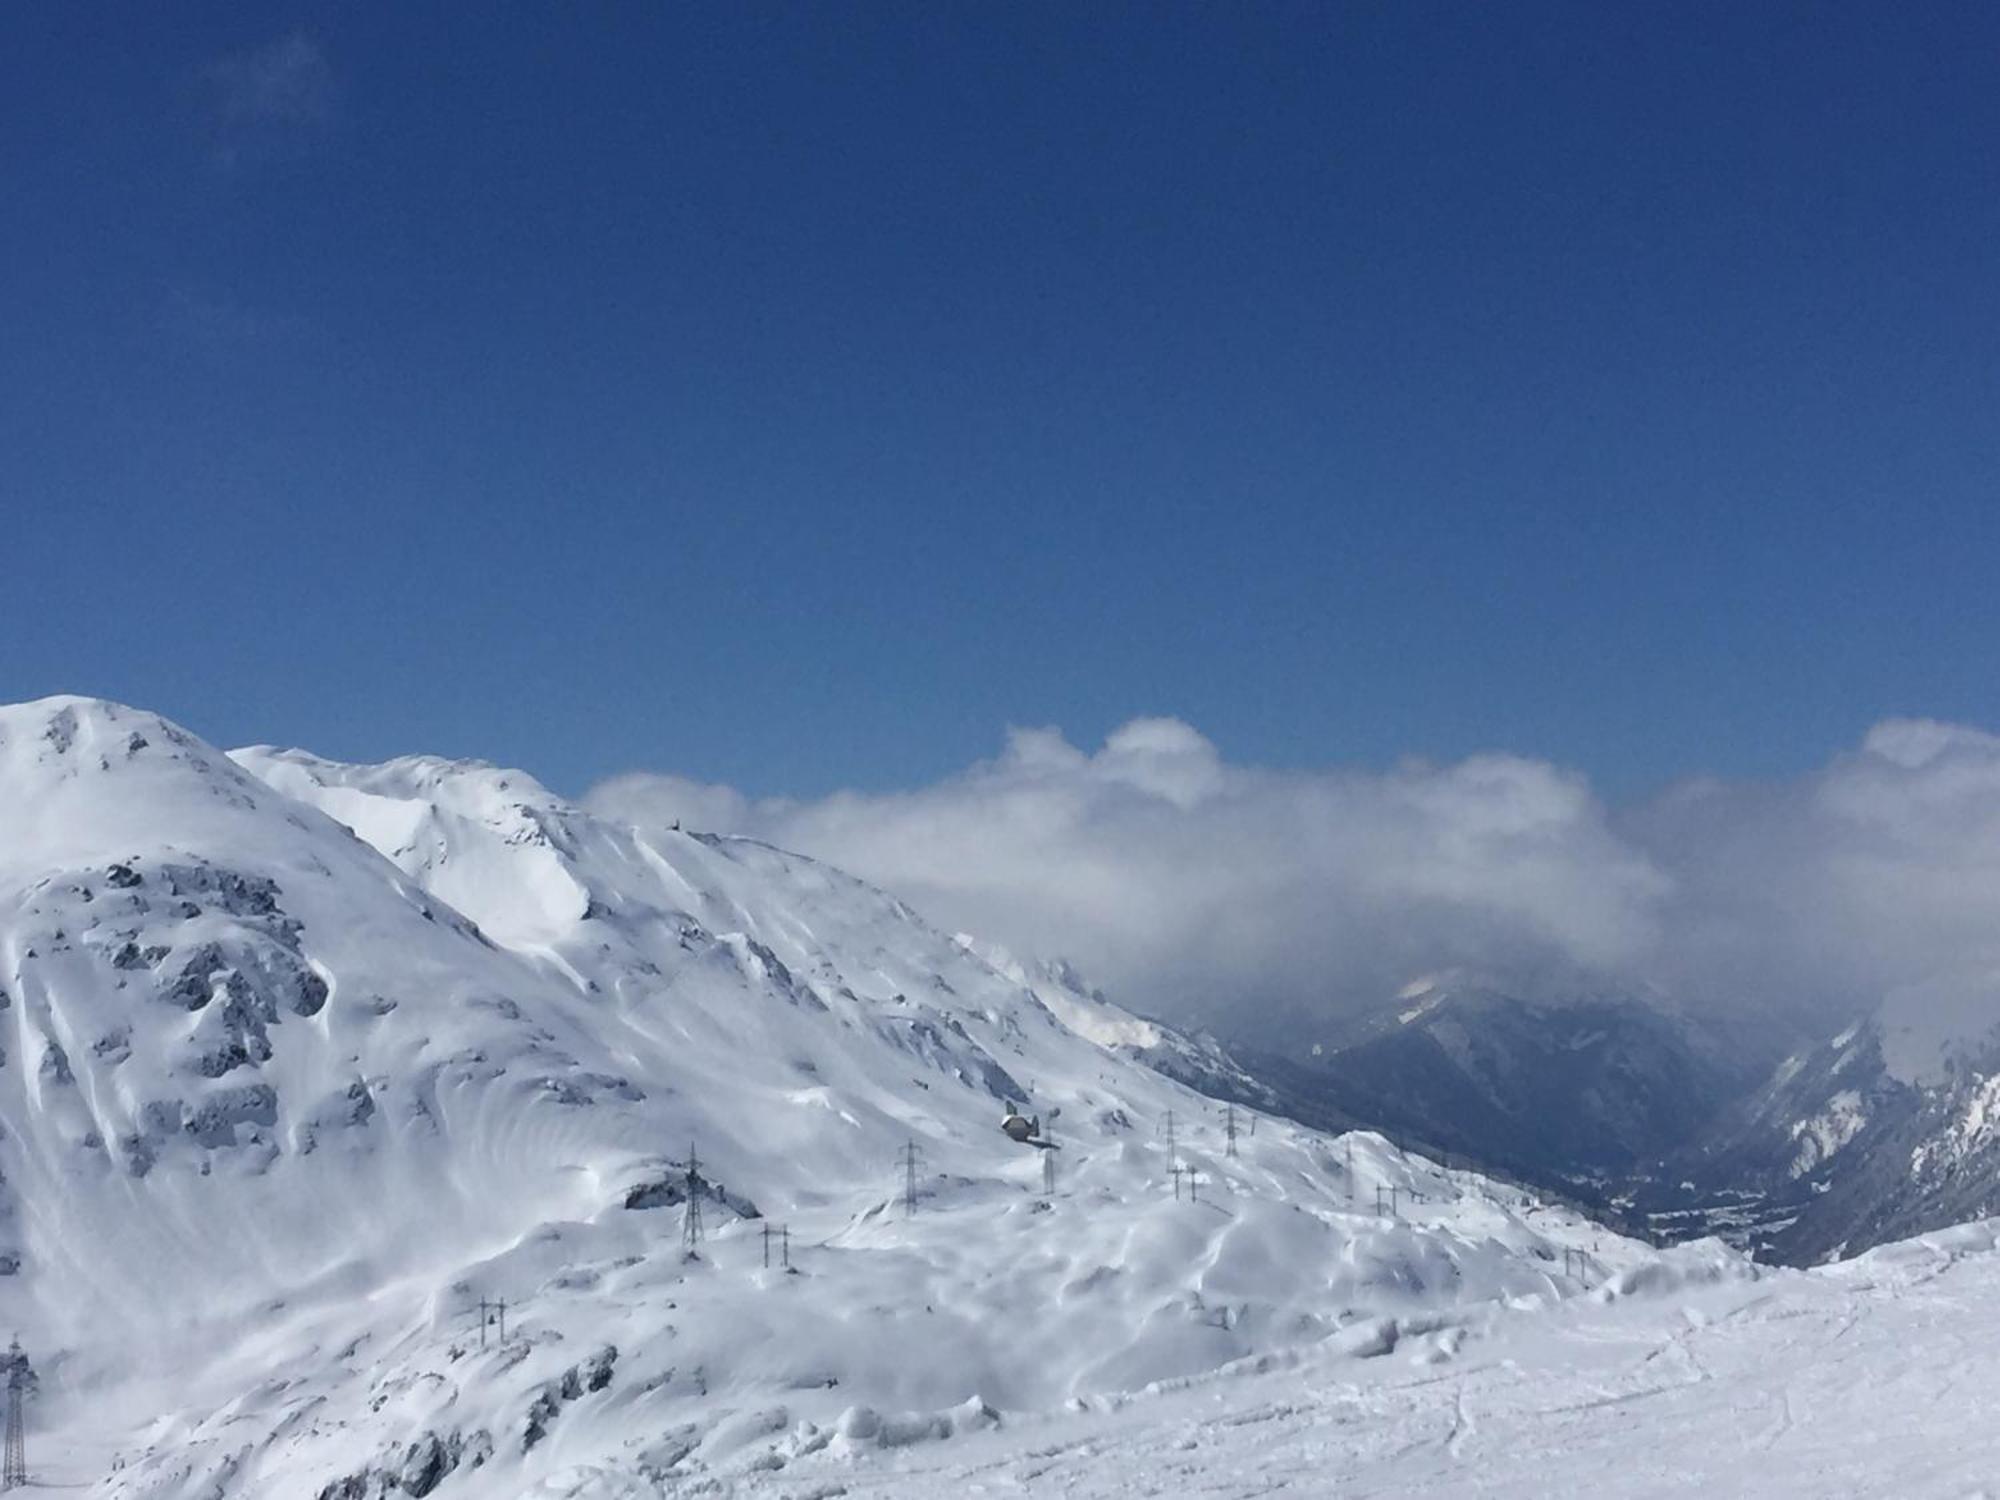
1670 1126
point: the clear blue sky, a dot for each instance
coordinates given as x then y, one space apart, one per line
795 396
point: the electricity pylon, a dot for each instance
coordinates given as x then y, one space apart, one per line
691 1230
14 1468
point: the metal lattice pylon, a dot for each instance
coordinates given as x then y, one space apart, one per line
14 1469
691 1230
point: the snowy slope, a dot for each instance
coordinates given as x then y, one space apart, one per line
304 1060
1870 1380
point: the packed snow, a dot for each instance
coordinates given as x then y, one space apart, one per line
309 1068
1869 1380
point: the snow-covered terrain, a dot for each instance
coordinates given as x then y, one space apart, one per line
306 1069
1872 1378
304 1062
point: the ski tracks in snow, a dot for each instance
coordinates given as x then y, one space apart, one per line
1812 1387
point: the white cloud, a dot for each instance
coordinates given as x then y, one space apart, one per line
1197 887
1876 874
1192 885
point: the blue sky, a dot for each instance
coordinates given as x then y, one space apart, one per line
797 396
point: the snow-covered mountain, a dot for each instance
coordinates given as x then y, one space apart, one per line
1576 1092
1856 1141
307 1067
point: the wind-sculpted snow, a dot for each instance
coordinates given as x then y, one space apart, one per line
305 1062
1870 1380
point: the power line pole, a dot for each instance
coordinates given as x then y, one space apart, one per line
785 1244
1350 1169
1229 1127
1177 1169
767 1244
14 1470
910 1155
1194 1186
491 1312
691 1227
1048 1162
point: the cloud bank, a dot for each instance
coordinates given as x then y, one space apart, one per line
1232 894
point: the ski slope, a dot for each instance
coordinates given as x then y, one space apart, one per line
1872 1378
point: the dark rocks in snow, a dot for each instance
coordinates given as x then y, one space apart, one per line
419 1470
223 1058
579 1089
214 1121
194 986
593 1374
61 732
139 1153
211 1122
669 1190
257 980
239 895
665 1192
55 1065
235 1032
360 1104
350 1109
123 877
781 977
944 1043
542 1412
306 993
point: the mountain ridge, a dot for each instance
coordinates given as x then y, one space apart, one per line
314 1105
